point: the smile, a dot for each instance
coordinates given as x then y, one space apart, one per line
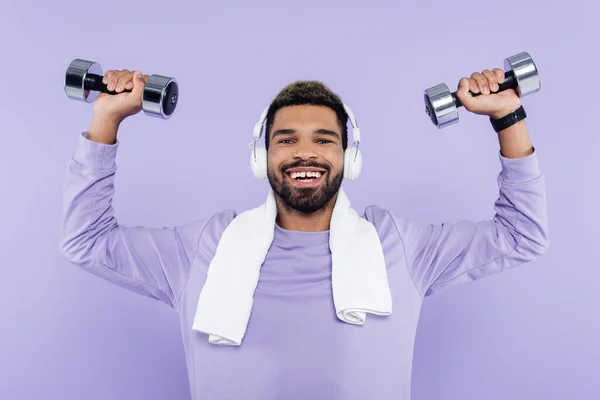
305 178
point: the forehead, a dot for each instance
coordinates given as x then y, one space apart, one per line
306 114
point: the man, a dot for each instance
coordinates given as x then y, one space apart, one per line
295 344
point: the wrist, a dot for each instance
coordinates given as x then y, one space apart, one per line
507 120
103 128
106 118
501 114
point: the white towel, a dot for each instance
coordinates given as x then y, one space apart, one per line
359 276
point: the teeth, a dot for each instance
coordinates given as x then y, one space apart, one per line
310 174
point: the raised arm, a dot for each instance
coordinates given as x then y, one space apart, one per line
154 262
447 254
444 255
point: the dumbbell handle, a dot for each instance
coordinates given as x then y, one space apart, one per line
510 82
94 82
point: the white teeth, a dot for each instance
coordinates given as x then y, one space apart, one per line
310 174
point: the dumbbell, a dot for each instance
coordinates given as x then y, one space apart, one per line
520 74
83 81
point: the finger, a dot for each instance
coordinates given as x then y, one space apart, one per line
499 74
481 82
492 79
124 78
108 76
464 86
114 79
473 85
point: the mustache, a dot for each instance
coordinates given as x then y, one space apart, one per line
298 164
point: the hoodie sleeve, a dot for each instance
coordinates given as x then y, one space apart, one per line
443 255
154 262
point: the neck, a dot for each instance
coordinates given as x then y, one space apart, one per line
296 221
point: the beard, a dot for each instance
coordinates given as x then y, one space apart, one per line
305 200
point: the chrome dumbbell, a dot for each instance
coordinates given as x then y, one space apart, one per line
520 74
83 81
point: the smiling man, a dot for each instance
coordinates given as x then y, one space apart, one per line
306 145
301 297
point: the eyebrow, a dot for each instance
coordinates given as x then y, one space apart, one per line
321 131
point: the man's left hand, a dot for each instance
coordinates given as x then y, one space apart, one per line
489 102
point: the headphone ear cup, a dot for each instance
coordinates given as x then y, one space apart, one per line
259 165
352 163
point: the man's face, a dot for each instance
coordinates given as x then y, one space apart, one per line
306 157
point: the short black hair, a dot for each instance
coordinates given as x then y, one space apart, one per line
308 92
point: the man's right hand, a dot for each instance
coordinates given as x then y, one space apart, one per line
111 109
124 104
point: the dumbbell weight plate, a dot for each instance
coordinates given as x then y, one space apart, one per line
75 80
160 96
440 105
525 72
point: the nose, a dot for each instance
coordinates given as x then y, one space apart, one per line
305 152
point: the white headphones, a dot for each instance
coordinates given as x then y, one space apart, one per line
352 156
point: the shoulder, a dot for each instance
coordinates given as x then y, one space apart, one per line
215 226
390 228
384 221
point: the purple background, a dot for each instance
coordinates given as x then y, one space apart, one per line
532 332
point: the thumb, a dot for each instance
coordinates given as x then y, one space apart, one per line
138 84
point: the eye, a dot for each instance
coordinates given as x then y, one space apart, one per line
285 140
325 141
